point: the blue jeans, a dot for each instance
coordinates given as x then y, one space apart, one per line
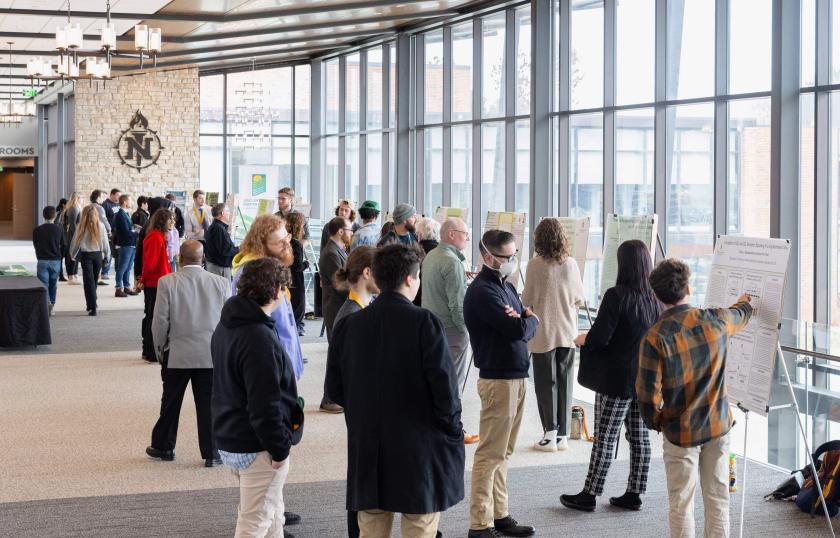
125 263
48 271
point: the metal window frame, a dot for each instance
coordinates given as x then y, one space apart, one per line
822 166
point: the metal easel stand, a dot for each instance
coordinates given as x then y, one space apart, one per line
744 475
811 462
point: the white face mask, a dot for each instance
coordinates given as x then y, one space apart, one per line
507 267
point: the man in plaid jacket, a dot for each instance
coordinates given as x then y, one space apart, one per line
681 390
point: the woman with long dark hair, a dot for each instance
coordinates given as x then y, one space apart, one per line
608 364
155 265
296 226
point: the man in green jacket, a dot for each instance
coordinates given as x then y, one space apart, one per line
443 285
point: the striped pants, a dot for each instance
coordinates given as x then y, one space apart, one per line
610 413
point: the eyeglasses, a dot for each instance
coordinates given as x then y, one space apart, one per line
348 229
505 258
462 231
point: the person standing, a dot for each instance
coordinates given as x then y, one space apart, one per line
333 257
199 219
257 417
444 284
368 232
49 243
344 210
68 222
154 204
173 242
554 288
90 247
59 216
681 390
387 354
110 206
219 248
125 241
180 225
404 218
500 328
155 265
609 360
97 198
285 207
295 223
187 310
141 216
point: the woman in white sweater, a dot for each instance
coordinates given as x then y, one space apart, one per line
554 291
90 247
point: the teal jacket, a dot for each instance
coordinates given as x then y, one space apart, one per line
444 283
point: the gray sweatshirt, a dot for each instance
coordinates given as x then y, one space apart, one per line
82 243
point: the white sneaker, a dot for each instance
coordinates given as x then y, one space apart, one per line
562 443
546 445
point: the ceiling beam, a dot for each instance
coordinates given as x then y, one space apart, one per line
211 17
239 56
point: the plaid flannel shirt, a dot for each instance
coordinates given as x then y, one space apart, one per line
681 382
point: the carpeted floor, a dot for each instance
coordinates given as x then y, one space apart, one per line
534 496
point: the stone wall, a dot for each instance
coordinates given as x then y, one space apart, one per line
169 101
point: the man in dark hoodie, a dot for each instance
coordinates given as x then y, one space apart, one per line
256 412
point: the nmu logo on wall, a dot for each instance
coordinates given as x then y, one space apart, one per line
138 146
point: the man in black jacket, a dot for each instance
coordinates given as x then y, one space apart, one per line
499 328
219 249
48 240
256 414
406 459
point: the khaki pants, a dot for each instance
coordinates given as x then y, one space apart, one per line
261 499
377 524
682 466
502 403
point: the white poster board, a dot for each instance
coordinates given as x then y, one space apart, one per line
757 267
443 213
514 223
249 209
180 200
258 181
576 231
620 228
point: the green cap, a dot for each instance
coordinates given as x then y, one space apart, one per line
370 204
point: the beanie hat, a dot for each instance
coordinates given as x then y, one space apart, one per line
403 212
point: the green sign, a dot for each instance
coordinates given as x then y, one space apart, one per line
30 92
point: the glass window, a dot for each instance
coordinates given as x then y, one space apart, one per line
331 173
302 175
353 87
634 162
281 157
462 73
750 45
332 96
748 189
690 210
432 169
278 97
493 66
586 190
806 207
392 88
522 196
211 105
691 49
351 167
210 164
433 76
523 60
302 99
374 167
834 209
587 61
374 88
835 41
808 37
555 54
492 168
635 51
462 166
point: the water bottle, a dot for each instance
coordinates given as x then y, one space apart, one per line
732 473
577 423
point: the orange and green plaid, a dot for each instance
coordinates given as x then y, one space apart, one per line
681 382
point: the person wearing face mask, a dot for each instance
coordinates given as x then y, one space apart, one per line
402 459
405 216
500 328
333 257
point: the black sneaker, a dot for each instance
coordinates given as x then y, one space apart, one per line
483 533
582 501
508 526
164 455
291 518
630 501
212 462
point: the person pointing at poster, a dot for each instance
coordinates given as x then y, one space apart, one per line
681 390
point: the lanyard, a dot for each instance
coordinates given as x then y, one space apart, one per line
199 216
355 298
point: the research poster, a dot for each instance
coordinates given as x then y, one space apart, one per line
510 222
180 200
443 213
620 228
248 210
211 198
576 231
757 267
258 181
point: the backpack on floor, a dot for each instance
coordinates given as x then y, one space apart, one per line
828 471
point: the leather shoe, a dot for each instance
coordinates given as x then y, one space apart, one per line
212 462
164 455
630 501
332 408
130 291
508 526
582 501
291 518
483 533
470 438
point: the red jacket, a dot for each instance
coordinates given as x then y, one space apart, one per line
155 259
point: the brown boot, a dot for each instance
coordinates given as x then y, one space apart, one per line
120 293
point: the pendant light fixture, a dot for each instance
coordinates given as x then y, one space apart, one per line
8 113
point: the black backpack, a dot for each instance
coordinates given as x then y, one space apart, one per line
828 471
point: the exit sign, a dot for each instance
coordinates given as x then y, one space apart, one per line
30 92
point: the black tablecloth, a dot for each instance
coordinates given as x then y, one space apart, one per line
24 316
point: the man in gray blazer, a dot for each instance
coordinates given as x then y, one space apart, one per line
187 311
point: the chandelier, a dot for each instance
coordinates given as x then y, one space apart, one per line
12 113
251 120
69 42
